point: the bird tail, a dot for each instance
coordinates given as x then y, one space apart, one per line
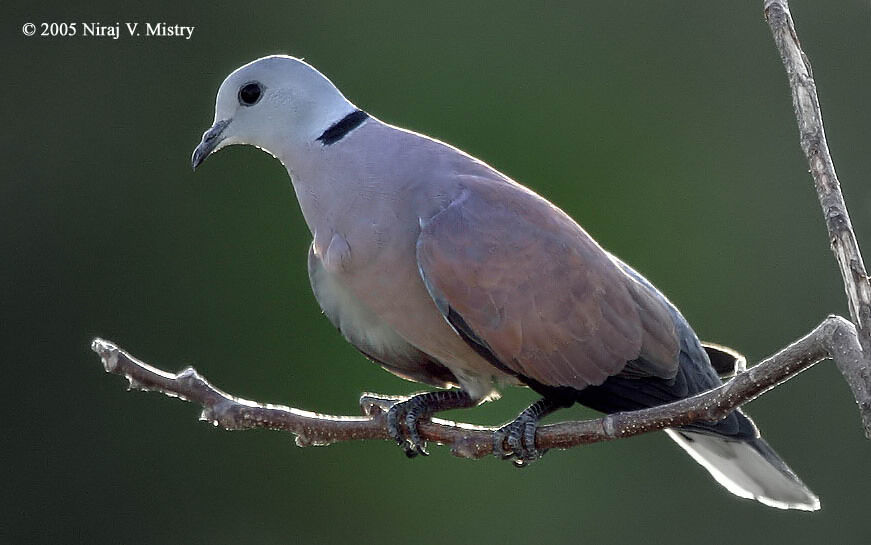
748 468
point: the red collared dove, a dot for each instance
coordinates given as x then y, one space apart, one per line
447 272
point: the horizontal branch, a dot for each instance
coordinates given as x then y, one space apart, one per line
834 338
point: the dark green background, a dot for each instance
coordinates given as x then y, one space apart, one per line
665 128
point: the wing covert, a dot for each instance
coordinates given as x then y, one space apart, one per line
539 293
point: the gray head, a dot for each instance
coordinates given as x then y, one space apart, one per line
273 103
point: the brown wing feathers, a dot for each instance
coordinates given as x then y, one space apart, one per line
538 292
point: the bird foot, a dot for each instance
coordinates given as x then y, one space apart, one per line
410 410
398 408
520 435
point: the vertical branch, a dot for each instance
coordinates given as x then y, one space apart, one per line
806 104
813 142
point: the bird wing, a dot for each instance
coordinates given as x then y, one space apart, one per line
527 287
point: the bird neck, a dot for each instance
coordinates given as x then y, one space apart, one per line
326 170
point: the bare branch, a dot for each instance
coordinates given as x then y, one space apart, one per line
806 104
813 143
835 338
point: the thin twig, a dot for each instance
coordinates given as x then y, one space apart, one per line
835 337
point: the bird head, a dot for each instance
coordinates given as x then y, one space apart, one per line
273 103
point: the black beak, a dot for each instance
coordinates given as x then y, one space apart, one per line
211 139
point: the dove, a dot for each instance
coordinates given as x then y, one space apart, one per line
447 272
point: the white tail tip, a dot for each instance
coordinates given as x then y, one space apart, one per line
749 469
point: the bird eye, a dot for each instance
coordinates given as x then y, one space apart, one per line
250 93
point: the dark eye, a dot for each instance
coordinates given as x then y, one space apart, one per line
250 93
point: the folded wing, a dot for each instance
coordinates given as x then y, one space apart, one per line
521 280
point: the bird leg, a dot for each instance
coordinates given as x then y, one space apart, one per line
417 407
521 433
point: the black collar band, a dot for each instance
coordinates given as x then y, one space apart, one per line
342 127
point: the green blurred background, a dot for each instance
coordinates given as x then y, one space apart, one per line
665 128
